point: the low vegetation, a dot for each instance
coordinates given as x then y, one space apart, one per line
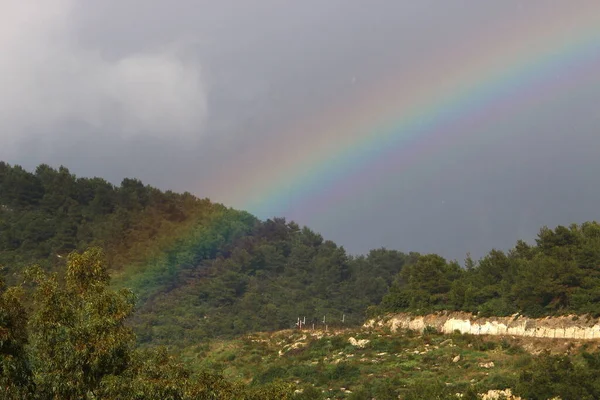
369 364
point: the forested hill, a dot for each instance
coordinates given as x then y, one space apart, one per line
198 268
47 214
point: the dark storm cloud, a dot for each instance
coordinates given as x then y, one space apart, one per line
51 83
172 91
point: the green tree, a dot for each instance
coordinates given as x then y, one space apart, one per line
429 281
15 375
78 331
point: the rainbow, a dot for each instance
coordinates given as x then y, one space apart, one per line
409 116
157 263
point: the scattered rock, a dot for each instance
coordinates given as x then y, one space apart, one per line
456 359
358 343
499 394
487 365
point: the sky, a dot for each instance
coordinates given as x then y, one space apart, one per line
232 100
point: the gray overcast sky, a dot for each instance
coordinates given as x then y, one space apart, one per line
228 75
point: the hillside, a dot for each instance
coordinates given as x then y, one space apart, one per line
375 363
216 284
198 269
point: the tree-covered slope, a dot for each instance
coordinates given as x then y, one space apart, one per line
46 214
197 268
264 281
560 274
200 269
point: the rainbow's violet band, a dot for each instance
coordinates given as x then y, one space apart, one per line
541 56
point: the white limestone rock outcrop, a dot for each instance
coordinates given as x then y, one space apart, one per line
564 327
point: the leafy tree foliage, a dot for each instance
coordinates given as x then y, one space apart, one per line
15 373
559 275
76 345
77 332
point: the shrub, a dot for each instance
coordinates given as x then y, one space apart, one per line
430 330
270 374
344 371
307 373
309 393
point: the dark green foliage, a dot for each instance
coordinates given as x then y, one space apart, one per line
16 379
343 371
265 280
563 376
559 275
198 269
45 215
427 389
77 332
76 345
271 374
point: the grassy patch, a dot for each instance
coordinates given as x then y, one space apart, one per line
325 365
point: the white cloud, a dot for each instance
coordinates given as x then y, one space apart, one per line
49 80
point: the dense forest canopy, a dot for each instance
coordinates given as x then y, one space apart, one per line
560 274
198 269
